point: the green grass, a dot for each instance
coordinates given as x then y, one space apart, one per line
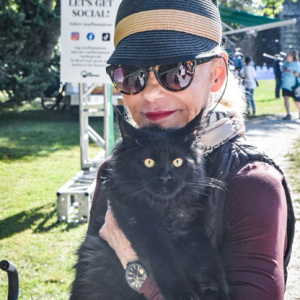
294 169
266 102
39 153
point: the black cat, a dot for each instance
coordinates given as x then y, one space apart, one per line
155 187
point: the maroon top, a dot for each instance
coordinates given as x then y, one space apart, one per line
254 223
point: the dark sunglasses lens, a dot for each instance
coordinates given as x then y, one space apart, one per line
130 79
176 76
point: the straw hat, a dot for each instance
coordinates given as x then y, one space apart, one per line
152 32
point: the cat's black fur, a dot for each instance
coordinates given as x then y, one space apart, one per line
162 212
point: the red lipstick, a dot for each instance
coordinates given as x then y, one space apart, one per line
157 115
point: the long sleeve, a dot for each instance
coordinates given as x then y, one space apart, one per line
248 73
150 290
255 217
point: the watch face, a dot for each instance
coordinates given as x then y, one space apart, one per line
136 275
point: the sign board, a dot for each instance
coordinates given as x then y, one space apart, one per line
87 28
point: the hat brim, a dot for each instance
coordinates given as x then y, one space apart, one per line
159 47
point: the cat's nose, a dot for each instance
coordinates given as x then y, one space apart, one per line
165 176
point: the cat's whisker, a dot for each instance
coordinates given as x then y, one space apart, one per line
208 182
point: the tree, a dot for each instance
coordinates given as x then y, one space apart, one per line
269 8
245 5
29 32
267 40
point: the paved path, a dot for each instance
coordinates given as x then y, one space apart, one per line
276 137
273 135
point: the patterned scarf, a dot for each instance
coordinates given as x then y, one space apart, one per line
220 127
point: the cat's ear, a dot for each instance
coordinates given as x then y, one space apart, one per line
129 133
190 129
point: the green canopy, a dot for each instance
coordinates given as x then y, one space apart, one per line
230 15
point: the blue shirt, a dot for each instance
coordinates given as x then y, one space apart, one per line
288 80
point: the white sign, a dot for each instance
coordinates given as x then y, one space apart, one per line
87 29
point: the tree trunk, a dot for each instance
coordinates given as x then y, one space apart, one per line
50 38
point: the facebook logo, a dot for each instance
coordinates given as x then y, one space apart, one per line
90 36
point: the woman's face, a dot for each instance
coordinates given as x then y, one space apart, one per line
156 105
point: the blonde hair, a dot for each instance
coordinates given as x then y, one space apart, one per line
233 97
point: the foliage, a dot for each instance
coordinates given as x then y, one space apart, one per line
272 8
29 31
269 8
245 5
267 41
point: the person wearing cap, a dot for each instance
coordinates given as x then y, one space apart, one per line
169 64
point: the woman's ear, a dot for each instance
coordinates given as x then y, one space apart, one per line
220 72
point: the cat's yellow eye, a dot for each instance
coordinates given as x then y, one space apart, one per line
177 162
149 163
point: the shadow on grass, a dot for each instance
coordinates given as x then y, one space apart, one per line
251 117
36 219
268 100
38 133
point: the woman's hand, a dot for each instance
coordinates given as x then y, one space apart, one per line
116 239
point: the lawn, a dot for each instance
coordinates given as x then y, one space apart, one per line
39 153
266 102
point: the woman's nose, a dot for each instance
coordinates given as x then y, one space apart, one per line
152 89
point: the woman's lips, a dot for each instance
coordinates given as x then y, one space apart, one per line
158 115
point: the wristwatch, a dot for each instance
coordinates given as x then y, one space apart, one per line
136 274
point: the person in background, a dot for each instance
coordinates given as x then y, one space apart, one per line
290 75
248 73
238 60
278 73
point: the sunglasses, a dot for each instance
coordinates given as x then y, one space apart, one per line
131 80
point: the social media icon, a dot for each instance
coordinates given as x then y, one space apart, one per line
105 36
90 36
75 36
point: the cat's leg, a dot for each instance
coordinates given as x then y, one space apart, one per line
99 274
203 266
149 238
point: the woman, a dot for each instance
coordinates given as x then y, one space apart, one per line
248 73
290 75
255 222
